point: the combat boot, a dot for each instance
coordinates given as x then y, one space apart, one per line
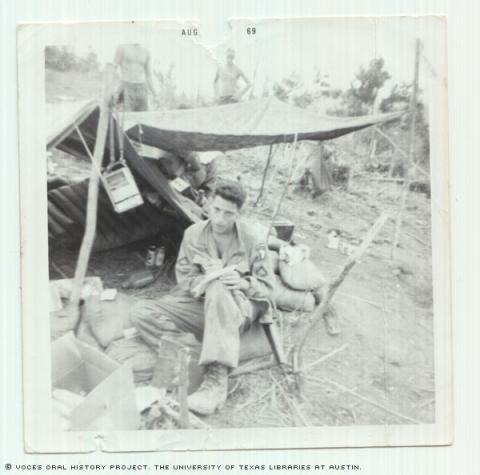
212 393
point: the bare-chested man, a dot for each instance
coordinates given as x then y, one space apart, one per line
133 62
225 83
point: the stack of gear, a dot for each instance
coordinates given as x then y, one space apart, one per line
109 323
185 171
298 280
106 326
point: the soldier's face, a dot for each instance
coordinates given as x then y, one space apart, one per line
223 214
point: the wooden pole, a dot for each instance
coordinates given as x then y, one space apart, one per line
264 177
251 95
293 153
411 151
183 388
91 215
335 283
402 152
373 142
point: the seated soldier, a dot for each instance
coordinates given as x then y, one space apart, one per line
225 281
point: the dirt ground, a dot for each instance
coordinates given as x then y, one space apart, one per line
385 308
382 371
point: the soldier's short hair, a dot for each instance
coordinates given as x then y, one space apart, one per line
231 190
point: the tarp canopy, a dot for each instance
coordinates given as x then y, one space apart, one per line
234 126
218 128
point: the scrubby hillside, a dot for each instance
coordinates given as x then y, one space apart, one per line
380 369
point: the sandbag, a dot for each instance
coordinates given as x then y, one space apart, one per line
254 343
108 318
296 269
84 333
292 300
91 286
134 350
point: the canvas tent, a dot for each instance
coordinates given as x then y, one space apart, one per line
67 123
226 127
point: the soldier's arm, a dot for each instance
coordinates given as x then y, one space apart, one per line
117 60
189 275
247 82
215 83
148 76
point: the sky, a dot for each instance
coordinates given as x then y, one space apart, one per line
335 47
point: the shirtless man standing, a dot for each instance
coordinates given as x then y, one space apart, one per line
225 83
133 61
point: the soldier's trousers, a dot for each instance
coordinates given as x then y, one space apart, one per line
215 320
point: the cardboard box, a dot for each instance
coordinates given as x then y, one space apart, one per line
109 402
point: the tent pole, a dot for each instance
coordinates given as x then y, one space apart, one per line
402 152
411 152
373 141
335 283
269 158
293 153
92 199
289 180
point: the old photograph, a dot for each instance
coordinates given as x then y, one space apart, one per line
237 237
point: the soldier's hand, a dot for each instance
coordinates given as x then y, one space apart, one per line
233 281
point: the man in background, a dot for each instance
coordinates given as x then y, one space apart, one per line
317 171
225 84
133 63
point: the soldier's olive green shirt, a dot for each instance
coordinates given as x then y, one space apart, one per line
246 251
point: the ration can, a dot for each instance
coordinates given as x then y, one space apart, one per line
160 257
151 254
